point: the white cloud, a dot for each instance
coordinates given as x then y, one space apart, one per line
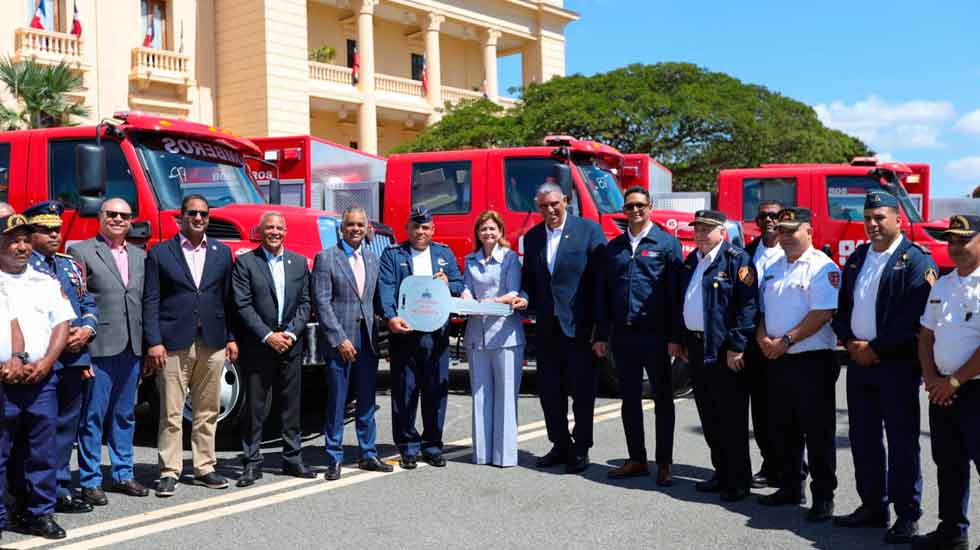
970 123
965 169
885 125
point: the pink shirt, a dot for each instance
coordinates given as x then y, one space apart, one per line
121 256
194 256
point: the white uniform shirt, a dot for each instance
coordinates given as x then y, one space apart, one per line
422 261
694 296
791 290
40 304
635 241
953 315
7 314
864 318
553 240
764 257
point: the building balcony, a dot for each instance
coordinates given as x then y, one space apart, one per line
47 47
160 66
455 95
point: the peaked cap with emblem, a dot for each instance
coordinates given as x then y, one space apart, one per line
14 222
420 215
962 225
709 217
45 214
791 218
880 199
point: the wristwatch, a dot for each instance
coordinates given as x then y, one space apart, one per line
953 381
786 339
22 355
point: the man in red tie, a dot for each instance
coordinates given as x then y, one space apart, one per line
344 281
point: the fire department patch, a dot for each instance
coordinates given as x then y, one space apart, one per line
930 276
746 276
834 279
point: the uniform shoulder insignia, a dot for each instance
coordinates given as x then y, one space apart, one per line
733 251
440 244
930 276
746 275
924 249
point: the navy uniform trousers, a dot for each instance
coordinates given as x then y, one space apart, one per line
419 368
955 443
803 414
722 399
29 414
756 369
633 350
565 369
887 393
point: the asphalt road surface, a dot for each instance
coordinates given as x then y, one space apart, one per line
468 506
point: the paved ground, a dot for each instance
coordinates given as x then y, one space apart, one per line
471 506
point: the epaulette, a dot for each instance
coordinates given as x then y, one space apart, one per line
923 248
733 251
440 244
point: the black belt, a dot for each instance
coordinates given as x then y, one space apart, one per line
697 334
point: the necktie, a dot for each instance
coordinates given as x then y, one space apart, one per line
50 261
359 272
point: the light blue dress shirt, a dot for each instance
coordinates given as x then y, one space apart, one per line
278 270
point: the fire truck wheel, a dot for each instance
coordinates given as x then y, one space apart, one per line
231 400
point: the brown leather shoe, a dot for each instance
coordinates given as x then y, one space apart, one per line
632 468
663 475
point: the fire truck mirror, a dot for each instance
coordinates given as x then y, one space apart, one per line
90 168
88 207
275 191
563 177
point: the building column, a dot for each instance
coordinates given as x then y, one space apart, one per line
490 38
433 65
367 119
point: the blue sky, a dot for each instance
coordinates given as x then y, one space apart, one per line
904 76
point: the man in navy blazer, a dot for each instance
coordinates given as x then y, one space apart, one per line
419 360
186 330
561 262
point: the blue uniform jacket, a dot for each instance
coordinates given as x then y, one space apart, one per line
396 265
902 295
642 288
72 278
571 292
730 295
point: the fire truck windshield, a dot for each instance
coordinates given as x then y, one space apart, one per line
602 185
179 166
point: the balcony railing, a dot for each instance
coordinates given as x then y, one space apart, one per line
336 74
47 47
398 85
455 95
507 102
152 65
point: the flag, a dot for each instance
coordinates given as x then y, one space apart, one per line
356 74
148 38
39 16
425 75
76 22
181 50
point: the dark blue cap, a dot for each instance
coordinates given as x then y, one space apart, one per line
420 215
880 199
962 225
709 217
14 222
791 218
47 214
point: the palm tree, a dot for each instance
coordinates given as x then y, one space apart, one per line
41 95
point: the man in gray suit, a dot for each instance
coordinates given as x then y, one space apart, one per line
344 283
114 276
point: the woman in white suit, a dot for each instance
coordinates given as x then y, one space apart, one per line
494 344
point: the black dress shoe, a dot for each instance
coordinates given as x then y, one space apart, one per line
94 496
434 459
332 473
250 474
298 470
863 517
68 505
903 532
166 487
45 526
782 497
212 480
553 458
734 495
760 480
408 462
374 464
577 464
708 486
821 511
130 487
936 541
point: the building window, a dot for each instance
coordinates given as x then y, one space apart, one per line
153 23
442 187
351 48
62 178
418 66
757 190
52 14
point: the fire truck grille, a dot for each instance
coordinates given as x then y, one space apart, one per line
223 231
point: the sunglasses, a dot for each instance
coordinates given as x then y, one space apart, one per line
195 213
769 215
635 206
112 214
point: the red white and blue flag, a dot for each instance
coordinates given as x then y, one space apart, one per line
148 38
425 75
356 69
39 16
76 22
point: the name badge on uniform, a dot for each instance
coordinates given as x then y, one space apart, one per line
649 253
721 276
403 264
441 261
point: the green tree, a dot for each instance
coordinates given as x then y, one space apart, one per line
41 95
694 121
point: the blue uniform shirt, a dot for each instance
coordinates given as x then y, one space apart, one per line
71 276
396 265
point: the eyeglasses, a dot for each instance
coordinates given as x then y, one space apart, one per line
195 213
635 206
769 215
112 214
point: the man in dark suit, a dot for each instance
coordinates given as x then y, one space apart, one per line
271 288
419 360
561 262
345 278
186 331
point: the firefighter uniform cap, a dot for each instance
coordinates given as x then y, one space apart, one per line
14 222
879 199
965 226
791 218
46 214
709 217
420 215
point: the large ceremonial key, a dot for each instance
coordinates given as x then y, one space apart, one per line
425 304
